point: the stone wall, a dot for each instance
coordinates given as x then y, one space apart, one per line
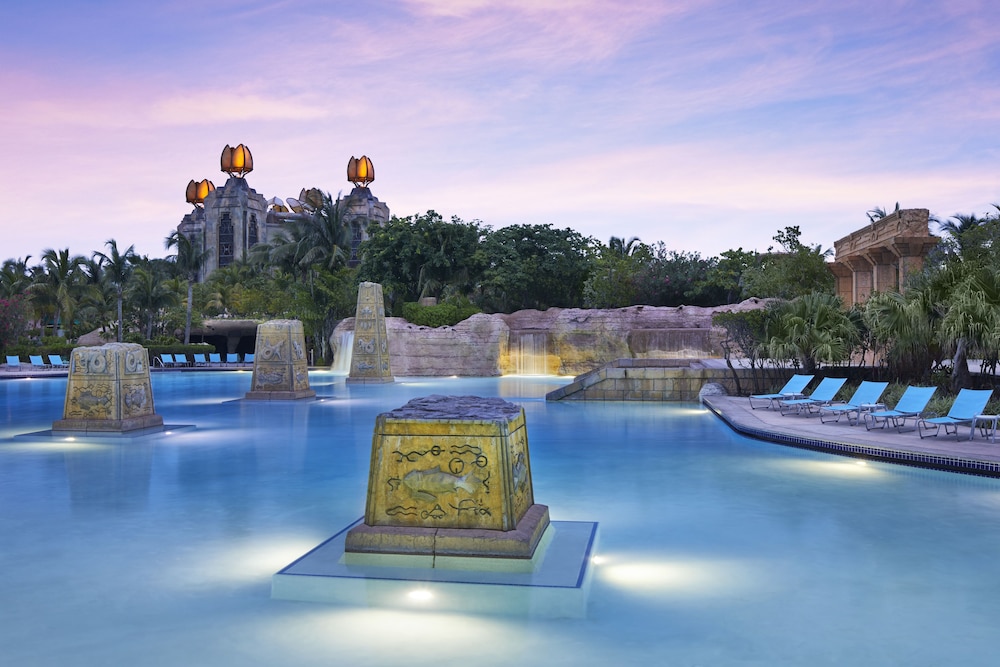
565 341
645 380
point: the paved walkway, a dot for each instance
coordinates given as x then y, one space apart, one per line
978 456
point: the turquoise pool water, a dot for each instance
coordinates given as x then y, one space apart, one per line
715 549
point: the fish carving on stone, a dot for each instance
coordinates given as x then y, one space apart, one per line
426 485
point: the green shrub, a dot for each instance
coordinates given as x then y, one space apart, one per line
441 315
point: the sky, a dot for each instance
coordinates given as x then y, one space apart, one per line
706 124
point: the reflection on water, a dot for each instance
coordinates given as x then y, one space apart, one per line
715 549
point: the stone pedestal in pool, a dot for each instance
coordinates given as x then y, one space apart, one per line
370 357
108 391
451 476
280 371
451 523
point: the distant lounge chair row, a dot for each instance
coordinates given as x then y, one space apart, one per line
865 405
36 362
213 359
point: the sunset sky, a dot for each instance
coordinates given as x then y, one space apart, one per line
707 124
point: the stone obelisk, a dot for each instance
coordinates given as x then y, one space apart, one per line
370 357
280 371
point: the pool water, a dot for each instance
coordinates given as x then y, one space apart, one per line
715 549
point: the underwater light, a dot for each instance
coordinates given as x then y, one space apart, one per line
420 595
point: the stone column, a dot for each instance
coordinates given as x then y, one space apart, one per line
280 371
108 391
370 358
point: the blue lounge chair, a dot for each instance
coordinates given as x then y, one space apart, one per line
13 363
37 361
865 397
215 358
181 360
56 361
792 389
248 358
912 403
822 395
968 404
232 358
200 360
166 360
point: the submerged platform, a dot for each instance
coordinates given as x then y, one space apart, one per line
555 583
107 437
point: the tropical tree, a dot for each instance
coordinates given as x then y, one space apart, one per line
958 225
613 282
15 277
150 295
812 328
797 270
118 267
534 266
189 260
57 285
423 255
971 323
317 240
746 335
675 278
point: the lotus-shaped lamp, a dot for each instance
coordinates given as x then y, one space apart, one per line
237 161
360 171
196 192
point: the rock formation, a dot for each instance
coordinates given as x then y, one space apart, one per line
568 341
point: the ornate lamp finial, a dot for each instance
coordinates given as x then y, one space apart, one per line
196 192
360 171
237 161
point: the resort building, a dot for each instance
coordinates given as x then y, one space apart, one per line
882 255
231 219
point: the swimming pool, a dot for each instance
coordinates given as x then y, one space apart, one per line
715 549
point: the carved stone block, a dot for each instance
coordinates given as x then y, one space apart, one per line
280 368
370 357
108 390
450 475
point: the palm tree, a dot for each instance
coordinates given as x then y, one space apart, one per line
958 225
15 277
971 324
322 240
878 213
149 294
190 260
57 284
812 328
118 268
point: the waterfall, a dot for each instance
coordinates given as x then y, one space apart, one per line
342 353
529 353
670 343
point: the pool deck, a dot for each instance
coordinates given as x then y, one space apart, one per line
977 456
